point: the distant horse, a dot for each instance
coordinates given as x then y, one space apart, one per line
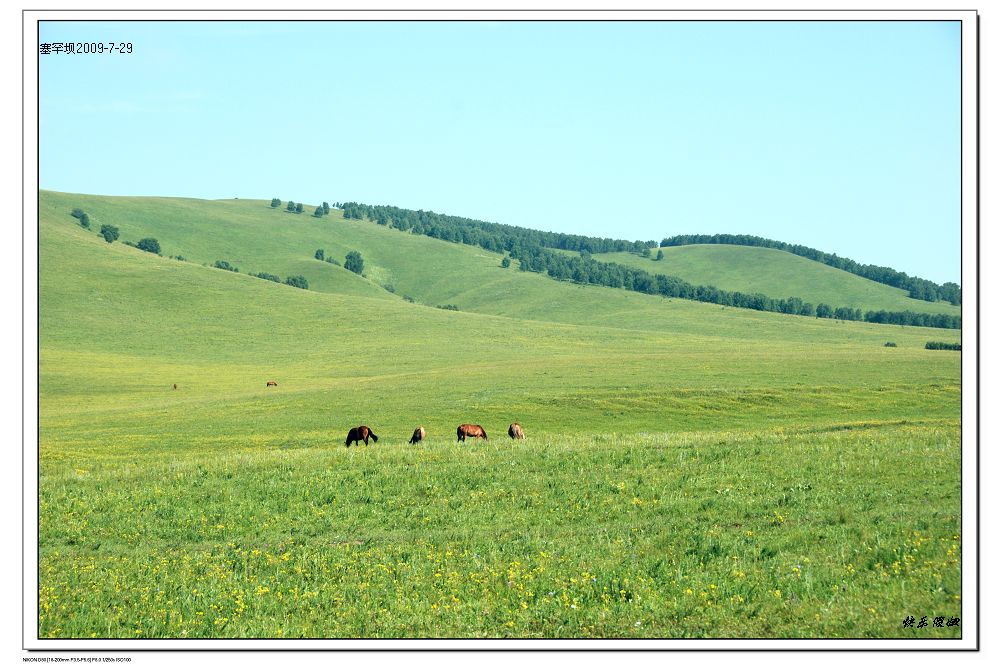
360 433
470 430
272 383
418 435
175 387
515 431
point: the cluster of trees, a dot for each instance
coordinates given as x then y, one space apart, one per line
149 244
918 288
224 265
298 207
109 233
354 262
953 346
82 216
267 276
298 281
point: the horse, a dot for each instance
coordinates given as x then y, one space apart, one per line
360 433
418 435
270 383
471 430
515 431
175 387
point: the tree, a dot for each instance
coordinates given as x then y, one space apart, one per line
85 221
275 202
505 263
319 212
149 244
645 252
659 254
298 208
298 281
824 311
76 213
326 207
109 233
291 206
320 255
354 262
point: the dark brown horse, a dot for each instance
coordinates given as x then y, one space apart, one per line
470 430
418 435
360 433
272 383
515 431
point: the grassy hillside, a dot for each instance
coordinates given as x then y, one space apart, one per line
665 438
777 274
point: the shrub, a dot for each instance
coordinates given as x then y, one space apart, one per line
267 276
889 344
319 254
453 308
331 259
354 262
85 221
76 213
109 233
505 263
408 298
389 287
298 281
298 208
149 244
223 265
291 206
952 346
275 202
319 212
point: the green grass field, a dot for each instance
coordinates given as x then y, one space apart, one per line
777 274
689 470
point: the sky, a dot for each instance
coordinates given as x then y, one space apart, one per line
843 136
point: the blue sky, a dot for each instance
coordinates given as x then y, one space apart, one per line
844 136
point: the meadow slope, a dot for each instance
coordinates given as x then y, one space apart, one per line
689 470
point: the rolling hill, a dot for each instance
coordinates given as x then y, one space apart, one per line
777 274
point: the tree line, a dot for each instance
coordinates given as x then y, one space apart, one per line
533 248
918 288
496 237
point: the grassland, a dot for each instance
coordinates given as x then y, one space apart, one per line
689 470
778 274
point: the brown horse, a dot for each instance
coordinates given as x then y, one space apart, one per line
470 430
515 431
272 383
175 387
360 433
418 435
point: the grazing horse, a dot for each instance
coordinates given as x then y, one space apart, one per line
515 431
272 383
418 435
360 433
470 430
